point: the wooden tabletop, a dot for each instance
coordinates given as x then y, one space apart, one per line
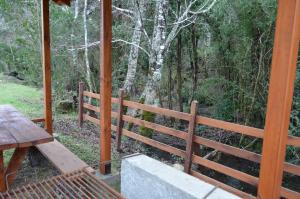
18 131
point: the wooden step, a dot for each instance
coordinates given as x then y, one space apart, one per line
62 158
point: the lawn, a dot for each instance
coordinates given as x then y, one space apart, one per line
29 101
26 99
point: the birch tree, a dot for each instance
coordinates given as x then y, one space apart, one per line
86 49
161 40
134 50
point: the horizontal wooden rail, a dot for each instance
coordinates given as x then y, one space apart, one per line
246 130
91 107
287 193
96 121
91 95
221 185
97 96
247 155
154 143
155 127
38 120
293 141
192 140
158 110
226 170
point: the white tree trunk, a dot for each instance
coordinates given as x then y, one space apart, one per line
134 50
156 54
86 49
73 50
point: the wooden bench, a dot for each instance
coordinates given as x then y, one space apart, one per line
62 158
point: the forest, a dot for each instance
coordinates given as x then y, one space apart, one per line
165 53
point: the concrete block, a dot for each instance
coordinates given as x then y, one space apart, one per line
146 178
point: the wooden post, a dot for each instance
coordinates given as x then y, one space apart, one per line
14 164
120 120
283 72
189 141
80 103
105 86
2 174
46 59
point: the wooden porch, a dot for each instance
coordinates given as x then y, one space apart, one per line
76 180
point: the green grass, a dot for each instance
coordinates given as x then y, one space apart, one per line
84 150
29 101
26 99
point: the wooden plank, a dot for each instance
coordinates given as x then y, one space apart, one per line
91 95
38 120
105 85
158 110
46 60
155 127
226 170
221 185
190 136
154 143
247 155
22 130
14 164
80 103
91 107
293 141
61 157
63 2
287 193
120 120
91 119
2 173
246 130
7 141
281 88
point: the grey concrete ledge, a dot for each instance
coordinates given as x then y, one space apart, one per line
145 178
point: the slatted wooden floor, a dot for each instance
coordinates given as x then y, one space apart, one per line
76 185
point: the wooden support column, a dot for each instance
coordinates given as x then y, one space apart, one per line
105 86
46 59
2 173
189 140
283 72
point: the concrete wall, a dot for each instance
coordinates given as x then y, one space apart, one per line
145 178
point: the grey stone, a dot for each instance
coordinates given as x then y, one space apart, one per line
146 178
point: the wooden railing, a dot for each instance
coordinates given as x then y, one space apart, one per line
190 155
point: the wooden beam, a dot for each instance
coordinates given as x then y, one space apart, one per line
63 2
46 57
190 136
283 72
105 86
2 173
14 164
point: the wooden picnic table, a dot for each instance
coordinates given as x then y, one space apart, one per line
19 133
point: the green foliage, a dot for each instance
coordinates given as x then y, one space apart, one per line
150 117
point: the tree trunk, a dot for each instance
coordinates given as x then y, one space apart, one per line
86 50
179 66
156 55
194 39
134 50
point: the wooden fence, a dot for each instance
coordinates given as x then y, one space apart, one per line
189 155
